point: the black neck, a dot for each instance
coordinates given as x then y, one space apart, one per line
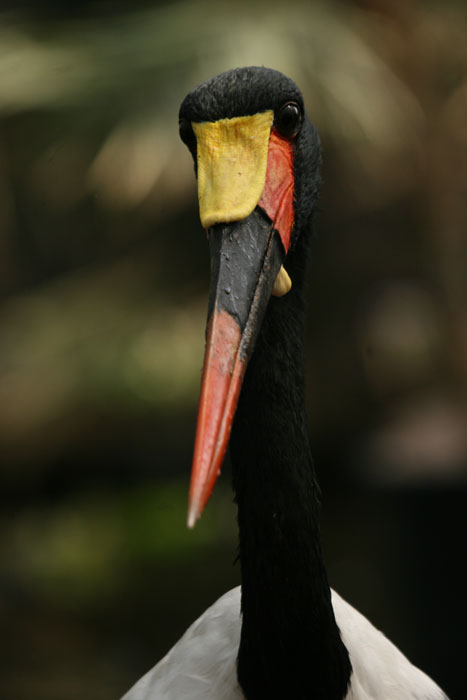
290 644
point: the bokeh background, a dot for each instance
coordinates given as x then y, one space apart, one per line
104 275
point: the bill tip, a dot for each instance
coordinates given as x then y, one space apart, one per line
191 519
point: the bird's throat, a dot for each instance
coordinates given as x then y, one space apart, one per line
290 644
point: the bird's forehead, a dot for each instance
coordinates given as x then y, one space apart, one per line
240 92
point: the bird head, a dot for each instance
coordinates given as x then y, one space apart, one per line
257 159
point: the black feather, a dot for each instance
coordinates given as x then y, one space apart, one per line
290 643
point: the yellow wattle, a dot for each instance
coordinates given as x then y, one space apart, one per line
282 284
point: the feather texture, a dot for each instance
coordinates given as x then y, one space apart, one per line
202 665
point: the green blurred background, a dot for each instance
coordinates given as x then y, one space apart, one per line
104 275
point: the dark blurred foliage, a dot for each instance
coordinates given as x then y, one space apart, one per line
103 275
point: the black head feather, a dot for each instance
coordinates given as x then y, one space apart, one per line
246 91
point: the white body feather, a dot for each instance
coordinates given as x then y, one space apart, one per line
201 666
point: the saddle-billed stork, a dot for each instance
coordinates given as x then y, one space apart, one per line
284 634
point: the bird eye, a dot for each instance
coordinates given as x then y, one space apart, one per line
288 119
187 134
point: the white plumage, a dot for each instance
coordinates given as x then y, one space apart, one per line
201 666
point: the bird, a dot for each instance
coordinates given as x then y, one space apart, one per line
283 633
